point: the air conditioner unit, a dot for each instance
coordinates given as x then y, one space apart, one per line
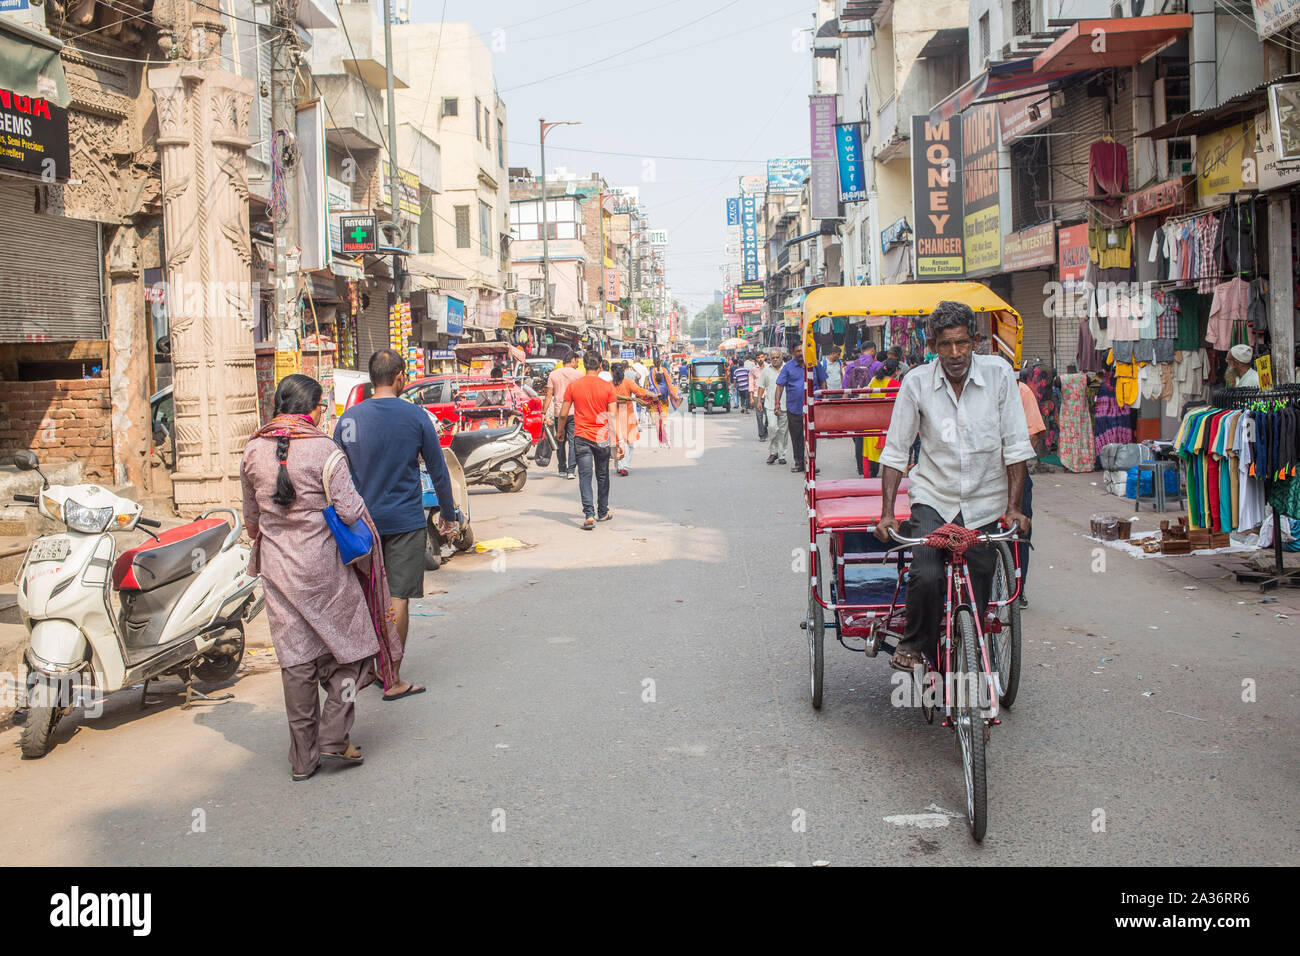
512 282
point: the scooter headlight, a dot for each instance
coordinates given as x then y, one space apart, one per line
86 520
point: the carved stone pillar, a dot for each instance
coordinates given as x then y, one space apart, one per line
128 359
202 140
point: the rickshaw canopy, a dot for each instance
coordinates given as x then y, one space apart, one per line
879 302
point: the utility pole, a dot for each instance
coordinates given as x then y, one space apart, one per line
283 151
544 128
393 200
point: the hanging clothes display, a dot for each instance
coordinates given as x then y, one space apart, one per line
1087 358
1042 382
1107 168
1077 450
1227 323
1113 425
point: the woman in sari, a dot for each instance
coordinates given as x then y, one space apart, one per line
872 447
328 620
664 394
630 396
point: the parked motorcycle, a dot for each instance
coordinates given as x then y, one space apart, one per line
494 456
183 600
463 538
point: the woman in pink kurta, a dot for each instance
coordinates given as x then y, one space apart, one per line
326 618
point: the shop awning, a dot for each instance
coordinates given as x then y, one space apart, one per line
1241 106
1097 44
30 64
1002 81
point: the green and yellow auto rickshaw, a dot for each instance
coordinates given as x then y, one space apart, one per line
706 386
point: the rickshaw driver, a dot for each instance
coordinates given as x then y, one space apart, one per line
974 449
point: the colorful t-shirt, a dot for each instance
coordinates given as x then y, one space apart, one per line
591 396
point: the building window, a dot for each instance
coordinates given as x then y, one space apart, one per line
1022 18
984 37
462 227
501 144
487 129
478 118
450 106
535 289
484 228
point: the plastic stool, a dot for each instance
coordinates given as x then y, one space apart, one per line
1157 470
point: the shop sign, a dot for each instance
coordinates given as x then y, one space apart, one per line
936 198
787 176
1032 248
733 211
753 184
1072 252
611 285
1264 368
896 231
408 194
359 234
1162 197
853 180
982 213
33 136
658 237
749 236
1284 106
750 290
1272 173
823 188
1017 118
748 305
455 316
1273 16
1225 160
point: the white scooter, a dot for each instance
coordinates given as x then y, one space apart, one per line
494 456
184 598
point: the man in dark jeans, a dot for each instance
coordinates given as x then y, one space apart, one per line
790 387
594 404
384 439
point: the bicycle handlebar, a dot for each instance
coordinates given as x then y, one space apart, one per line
1011 534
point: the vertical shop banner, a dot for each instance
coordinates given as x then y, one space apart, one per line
824 186
936 199
1072 253
853 178
981 210
733 211
749 237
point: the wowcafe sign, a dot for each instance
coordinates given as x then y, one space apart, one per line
1032 248
1162 197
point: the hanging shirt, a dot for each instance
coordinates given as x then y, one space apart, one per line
1250 493
1228 307
1107 168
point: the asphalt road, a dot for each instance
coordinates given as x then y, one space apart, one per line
542 741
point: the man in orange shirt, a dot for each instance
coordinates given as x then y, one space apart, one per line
560 378
594 405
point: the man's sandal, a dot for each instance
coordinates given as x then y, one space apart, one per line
905 660
351 755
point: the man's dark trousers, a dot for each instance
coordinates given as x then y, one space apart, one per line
563 444
796 436
592 456
926 579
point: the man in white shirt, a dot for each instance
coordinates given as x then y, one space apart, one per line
778 424
834 367
640 374
972 470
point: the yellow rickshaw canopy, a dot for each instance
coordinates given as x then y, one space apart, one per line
916 298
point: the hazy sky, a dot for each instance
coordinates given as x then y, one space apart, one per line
676 107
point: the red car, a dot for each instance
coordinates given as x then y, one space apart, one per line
448 396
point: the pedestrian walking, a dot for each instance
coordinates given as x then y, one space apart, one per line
560 378
384 439
665 397
790 389
751 376
592 404
857 374
834 367
760 404
872 447
778 445
631 397
328 621
740 380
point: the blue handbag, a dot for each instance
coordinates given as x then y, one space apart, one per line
355 541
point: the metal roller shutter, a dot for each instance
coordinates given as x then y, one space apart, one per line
52 288
372 328
1083 118
1027 298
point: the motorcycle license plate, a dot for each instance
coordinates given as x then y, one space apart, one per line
55 550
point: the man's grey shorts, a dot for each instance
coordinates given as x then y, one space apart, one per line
404 562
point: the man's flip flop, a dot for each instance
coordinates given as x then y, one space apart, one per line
912 657
352 755
300 777
409 692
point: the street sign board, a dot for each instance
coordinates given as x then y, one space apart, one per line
359 233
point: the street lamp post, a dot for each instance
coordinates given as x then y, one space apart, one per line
545 128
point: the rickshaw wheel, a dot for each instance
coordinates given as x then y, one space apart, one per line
1005 645
816 647
968 722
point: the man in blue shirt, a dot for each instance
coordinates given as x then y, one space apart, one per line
791 383
384 438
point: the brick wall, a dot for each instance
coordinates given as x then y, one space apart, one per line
60 420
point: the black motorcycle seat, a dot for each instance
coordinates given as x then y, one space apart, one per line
171 556
465 442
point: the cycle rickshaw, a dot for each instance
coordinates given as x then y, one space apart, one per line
974 669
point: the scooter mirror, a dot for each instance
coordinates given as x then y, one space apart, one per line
26 461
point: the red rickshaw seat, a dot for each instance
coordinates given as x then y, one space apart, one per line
853 488
837 513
